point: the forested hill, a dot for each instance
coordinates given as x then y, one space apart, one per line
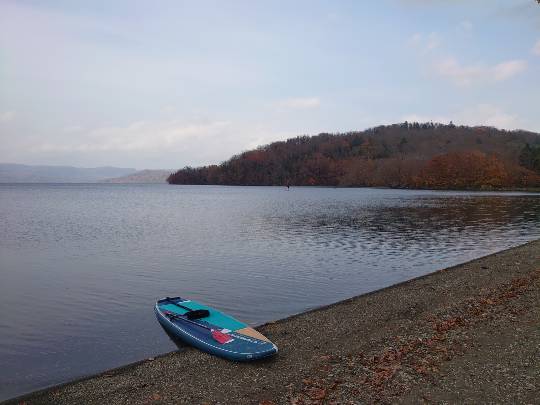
407 155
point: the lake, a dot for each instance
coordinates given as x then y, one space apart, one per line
81 265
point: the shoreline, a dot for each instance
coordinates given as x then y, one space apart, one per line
409 342
465 190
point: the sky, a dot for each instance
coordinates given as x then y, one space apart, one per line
166 84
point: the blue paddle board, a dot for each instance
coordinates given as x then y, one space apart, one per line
212 331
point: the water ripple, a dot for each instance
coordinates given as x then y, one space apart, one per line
81 265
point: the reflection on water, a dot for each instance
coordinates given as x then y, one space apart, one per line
82 265
430 226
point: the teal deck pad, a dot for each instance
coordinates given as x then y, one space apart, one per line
216 318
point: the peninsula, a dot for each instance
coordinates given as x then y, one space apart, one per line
405 155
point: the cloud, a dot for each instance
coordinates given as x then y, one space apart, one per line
301 103
480 114
73 128
415 39
465 27
137 136
433 3
490 115
433 41
505 70
333 17
463 74
470 74
425 43
536 48
7 116
149 144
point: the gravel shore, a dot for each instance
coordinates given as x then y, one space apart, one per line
467 334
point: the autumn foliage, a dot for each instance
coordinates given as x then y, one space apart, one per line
407 155
465 170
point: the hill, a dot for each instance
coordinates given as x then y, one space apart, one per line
16 173
142 176
406 155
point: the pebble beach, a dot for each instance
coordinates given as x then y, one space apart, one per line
467 334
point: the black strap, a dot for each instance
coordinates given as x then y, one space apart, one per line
181 306
191 313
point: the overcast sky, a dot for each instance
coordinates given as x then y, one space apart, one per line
165 84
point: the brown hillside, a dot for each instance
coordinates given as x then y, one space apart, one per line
415 155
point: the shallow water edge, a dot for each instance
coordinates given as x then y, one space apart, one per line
461 283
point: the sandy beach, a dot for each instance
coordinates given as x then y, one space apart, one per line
470 333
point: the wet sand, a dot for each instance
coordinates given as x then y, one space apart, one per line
470 333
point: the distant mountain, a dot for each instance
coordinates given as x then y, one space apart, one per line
16 173
405 155
142 176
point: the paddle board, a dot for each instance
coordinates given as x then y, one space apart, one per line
212 331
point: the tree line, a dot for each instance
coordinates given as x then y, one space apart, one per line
404 155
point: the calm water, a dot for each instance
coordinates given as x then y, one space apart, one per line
81 265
